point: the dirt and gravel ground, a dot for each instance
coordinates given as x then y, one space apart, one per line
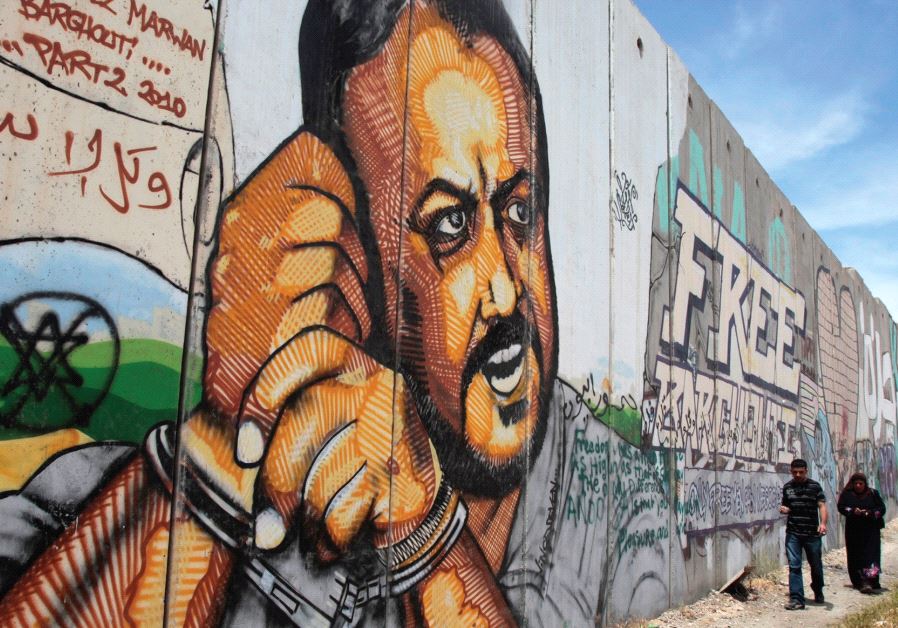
771 591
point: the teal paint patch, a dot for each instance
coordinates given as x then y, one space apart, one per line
664 183
779 252
717 184
698 182
737 224
893 333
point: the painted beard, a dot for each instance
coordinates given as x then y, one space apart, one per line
501 358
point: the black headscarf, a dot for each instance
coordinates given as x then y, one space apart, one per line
854 478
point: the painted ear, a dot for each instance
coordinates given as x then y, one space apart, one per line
289 258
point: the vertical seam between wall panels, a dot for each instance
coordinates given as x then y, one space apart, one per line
715 298
610 320
671 459
202 187
532 118
398 318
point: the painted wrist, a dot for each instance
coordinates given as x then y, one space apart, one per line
412 559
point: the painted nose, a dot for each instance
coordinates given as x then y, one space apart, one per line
500 296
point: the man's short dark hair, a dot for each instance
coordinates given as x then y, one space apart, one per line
798 463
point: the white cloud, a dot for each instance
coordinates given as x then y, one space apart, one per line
875 253
795 127
782 109
861 194
751 25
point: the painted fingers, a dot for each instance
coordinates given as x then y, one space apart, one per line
329 429
289 259
346 438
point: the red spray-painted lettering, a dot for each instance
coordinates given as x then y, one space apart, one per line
164 29
127 174
8 123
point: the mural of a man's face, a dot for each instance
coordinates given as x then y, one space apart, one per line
465 253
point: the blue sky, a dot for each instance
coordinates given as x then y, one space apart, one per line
123 285
812 87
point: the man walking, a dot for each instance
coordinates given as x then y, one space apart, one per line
805 504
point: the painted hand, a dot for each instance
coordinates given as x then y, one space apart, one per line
289 259
309 418
347 440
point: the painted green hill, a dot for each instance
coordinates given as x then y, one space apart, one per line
133 350
144 391
626 421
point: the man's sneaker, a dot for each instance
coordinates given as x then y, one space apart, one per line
818 598
867 589
794 605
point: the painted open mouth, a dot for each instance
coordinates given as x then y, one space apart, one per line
501 359
504 369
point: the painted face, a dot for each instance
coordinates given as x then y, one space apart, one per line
464 246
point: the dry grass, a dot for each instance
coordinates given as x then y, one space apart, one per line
634 623
883 613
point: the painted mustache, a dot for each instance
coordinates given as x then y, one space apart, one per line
500 357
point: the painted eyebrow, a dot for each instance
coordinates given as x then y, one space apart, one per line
466 197
505 188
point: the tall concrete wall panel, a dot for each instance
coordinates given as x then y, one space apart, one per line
416 312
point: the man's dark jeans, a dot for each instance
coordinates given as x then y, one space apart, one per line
813 548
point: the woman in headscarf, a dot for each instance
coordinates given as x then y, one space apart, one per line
864 513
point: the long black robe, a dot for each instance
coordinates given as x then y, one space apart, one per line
862 543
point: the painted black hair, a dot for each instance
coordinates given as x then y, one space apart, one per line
336 36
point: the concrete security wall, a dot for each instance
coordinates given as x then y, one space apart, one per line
413 312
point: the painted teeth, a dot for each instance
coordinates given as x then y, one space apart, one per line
505 355
506 385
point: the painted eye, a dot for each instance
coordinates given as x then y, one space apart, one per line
519 212
452 223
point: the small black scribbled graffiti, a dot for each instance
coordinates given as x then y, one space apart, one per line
623 208
42 389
